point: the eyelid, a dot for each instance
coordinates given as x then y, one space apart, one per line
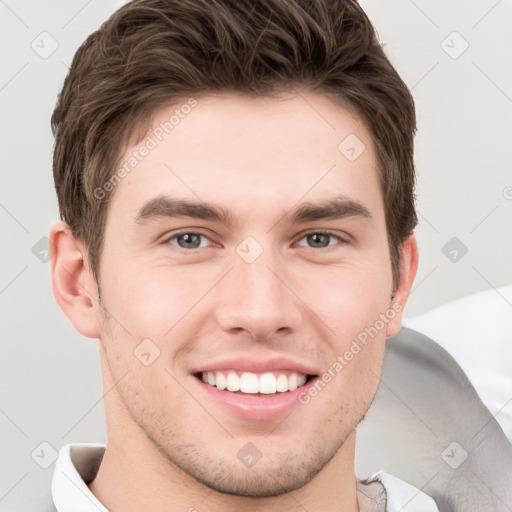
198 231
324 232
189 231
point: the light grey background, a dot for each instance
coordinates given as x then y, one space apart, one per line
50 383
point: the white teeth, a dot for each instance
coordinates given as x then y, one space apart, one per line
267 383
233 382
249 383
221 381
282 383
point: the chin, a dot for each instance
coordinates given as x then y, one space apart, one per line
262 477
264 482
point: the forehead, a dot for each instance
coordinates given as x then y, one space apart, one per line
251 153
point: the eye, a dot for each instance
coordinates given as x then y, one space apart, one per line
320 239
188 240
193 240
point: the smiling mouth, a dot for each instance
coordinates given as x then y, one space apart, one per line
268 383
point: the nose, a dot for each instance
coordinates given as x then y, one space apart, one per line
256 298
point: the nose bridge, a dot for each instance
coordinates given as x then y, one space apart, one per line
255 296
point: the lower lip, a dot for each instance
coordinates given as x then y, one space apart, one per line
255 407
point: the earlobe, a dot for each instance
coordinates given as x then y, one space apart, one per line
408 268
74 286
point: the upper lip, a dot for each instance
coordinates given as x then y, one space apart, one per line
249 363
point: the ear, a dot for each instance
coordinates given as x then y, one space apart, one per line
73 282
408 268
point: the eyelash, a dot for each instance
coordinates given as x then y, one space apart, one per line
329 233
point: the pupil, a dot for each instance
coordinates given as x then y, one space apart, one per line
189 238
316 236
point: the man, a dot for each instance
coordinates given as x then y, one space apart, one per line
236 187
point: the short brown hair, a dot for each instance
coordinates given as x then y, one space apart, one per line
152 53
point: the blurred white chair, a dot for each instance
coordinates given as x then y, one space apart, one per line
428 427
477 331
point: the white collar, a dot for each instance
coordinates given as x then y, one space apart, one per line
78 463
402 496
76 466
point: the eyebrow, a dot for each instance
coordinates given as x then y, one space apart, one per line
334 208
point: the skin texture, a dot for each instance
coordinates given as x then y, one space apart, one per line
169 447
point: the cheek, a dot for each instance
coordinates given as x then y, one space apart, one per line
348 298
344 392
150 301
354 304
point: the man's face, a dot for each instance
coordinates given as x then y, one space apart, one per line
268 293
